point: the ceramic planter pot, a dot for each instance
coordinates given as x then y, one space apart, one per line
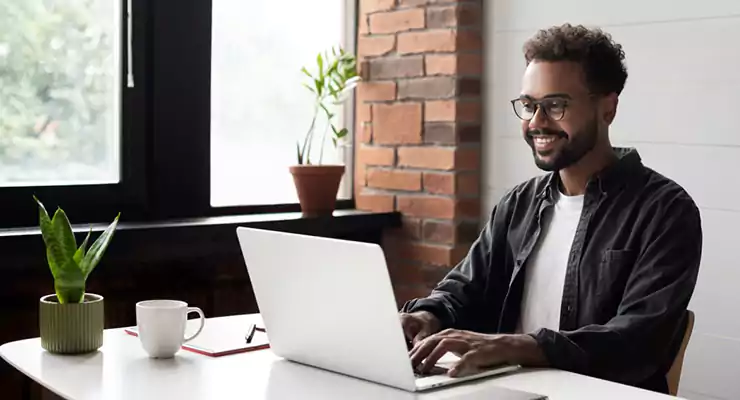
317 187
71 328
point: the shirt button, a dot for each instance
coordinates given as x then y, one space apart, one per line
569 308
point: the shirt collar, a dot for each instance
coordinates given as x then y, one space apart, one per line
607 180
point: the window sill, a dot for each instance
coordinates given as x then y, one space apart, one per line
203 237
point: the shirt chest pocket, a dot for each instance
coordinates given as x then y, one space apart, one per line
611 276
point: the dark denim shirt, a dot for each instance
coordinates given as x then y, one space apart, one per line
631 272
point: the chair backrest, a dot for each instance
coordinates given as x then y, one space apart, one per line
674 374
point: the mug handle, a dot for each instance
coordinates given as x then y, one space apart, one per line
202 322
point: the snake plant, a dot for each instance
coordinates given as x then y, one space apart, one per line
70 265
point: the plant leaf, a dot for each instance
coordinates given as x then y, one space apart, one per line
309 88
305 71
70 283
320 61
93 256
64 234
80 253
54 252
298 151
342 133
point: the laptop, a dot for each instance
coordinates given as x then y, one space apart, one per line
329 303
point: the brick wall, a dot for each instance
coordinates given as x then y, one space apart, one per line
419 131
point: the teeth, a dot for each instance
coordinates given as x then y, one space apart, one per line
544 140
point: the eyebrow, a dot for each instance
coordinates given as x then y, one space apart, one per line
549 96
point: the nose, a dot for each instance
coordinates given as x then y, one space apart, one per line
539 120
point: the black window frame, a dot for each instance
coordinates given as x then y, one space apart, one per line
165 130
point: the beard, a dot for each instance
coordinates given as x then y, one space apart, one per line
566 153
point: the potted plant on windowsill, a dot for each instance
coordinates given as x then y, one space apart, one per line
71 321
317 184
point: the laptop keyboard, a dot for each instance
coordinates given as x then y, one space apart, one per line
434 371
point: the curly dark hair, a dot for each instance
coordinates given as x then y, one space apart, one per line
601 58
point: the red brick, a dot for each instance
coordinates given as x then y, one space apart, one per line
376 91
427 88
439 183
396 67
405 293
363 113
397 123
467 184
440 232
373 46
469 111
365 132
440 110
453 64
452 111
427 253
468 208
469 64
422 2
411 228
376 155
468 40
397 21
394 179
375 202
427 41
360 181
468 159
425 206
441 133
448 232
453 16
369 6
440 64
404 272
430 157
363 27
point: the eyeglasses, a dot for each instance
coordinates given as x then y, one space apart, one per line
553 108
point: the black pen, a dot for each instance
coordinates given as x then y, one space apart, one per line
250 333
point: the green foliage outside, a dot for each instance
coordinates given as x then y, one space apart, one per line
57 65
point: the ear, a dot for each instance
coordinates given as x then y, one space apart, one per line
609 107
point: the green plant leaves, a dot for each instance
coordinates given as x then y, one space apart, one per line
64 235
93 256
80 253
70 265
54 252
335 77
70 283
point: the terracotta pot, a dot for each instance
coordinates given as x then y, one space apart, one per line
317 187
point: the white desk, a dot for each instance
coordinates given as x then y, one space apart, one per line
121 370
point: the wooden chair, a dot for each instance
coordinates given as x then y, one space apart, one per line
674 374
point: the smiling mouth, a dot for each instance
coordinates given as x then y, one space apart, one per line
545 143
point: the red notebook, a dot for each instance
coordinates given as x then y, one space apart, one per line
222 336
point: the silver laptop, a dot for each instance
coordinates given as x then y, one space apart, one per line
329 303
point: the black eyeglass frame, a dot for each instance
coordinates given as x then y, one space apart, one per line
537 105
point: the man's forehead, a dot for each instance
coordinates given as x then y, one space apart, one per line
548 78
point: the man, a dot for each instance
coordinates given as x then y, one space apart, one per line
589 268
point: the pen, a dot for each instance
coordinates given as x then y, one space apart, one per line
250 333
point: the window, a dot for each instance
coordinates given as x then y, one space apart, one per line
59 91
259 108
209 128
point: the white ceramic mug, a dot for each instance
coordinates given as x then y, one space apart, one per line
161 326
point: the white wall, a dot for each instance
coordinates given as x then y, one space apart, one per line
678 109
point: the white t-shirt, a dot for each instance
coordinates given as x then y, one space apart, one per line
545 270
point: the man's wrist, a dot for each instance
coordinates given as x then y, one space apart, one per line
524 350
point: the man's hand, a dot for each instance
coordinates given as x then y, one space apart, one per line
419 325
477 351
